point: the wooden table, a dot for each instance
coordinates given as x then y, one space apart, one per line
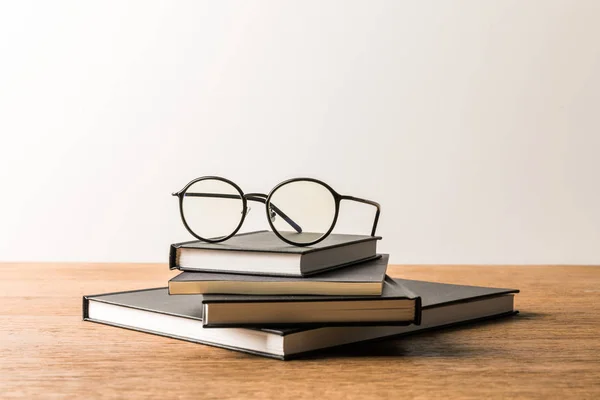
552 349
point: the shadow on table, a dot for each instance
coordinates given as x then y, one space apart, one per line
431 343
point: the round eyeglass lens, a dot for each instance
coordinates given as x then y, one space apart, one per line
306 204
212 208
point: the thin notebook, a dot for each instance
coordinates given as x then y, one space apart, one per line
361 279
397 305
263 253
155 311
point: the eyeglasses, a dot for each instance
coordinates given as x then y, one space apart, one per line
300 211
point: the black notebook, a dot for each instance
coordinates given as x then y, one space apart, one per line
361 279
397 305
180 317
263 253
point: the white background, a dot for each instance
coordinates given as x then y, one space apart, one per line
476 123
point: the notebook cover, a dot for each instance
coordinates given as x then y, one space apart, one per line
365 272
267 242
432 294
435 294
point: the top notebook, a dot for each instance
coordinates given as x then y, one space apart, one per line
263 253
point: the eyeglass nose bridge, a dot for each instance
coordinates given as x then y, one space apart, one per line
272 214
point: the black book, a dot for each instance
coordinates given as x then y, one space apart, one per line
180 317
361 279
396 305
263 253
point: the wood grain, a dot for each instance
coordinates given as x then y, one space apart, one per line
551 350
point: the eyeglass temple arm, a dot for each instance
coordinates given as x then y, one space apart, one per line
250 197
370 202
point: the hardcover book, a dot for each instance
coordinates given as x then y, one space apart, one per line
155 311
361 279
397 305
263 253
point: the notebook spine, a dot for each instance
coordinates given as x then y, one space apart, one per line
418 311
173 257
85 308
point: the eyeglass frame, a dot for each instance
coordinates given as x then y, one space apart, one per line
266 200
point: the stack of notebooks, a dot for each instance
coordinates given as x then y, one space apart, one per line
253 293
